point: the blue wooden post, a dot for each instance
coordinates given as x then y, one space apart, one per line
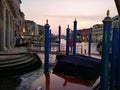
107 26
59 37
67 41
114 58
50 39
47 47
118 63
74 37
89 46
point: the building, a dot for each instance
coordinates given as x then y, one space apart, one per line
115 21
83 34
31 31
11 21
41 29
97 32
31 28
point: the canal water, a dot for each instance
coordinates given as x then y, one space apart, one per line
25 81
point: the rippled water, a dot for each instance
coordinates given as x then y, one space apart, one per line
29 78
24 82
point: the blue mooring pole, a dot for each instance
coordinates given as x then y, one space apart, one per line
67 41
50 39
89 46
107 26
114 53
47 48
118 63
59 37
74 37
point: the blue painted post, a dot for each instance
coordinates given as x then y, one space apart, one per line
115 43
59 38
47 47
67 41
50 39
89 46
74 37
107 26
118 63
118 60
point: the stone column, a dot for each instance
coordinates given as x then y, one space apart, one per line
3 31
1 24
11 31
7 29
14 39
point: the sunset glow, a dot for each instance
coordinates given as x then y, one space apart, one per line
64 12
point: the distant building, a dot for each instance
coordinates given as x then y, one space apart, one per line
83 34
31 28
97 32
41 29
115 20
115 23
11 21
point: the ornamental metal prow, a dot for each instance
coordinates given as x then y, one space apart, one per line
117 2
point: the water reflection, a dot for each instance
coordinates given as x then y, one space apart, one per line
74 80
49 81
47 76
54 81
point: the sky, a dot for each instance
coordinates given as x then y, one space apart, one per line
64 12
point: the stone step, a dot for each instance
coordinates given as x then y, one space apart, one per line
30 64
16 63
14 60
20 68
4 58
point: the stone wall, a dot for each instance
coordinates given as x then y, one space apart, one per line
10 16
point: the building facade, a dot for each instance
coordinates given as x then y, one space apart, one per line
41 30
10 22
115 21
97 32
31 28
83 34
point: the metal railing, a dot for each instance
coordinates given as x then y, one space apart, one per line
54 49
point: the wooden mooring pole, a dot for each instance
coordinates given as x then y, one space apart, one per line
67 40
107 26
47 48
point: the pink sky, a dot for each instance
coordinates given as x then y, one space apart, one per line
64 12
